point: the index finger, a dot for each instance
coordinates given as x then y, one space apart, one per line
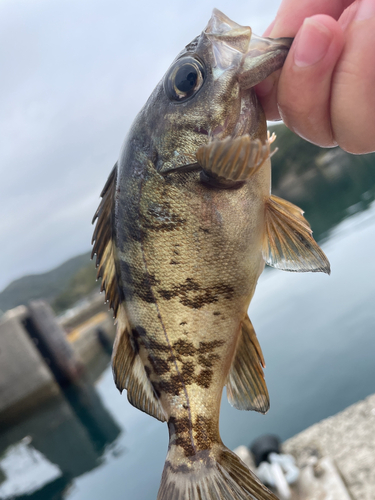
291 14
289 19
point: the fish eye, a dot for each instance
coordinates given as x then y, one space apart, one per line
184 79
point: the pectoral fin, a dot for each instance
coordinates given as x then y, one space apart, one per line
246 387
230 161
288 242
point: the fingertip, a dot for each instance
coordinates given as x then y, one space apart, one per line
304 90
314 40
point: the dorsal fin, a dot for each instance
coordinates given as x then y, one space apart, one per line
128 370
246 387
104 245
288 242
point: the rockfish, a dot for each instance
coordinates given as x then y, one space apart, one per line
184 228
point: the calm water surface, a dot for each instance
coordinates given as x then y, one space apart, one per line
317 335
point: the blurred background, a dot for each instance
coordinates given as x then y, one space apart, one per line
73 76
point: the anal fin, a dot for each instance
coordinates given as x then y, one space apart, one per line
129 372
288 242
233 160
246 387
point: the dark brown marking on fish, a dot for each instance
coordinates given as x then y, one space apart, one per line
183 323
134 341
205 432
142 286
216 313
137 282
173 385
208 361
187 372
207 347
179 425
181 428
154 346
185 444
140 332
184 348
193 295
204 379
176 252
159 365
174 263
204 230
159 217
148 371
183 468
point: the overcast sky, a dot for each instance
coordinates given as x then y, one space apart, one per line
74 73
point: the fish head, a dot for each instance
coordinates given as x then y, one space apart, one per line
207 93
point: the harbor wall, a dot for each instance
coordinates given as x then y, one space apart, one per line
25 379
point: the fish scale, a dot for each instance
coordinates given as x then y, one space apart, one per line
185 226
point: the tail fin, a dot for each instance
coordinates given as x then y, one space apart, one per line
216 474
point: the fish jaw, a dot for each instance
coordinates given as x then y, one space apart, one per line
236 46
265 55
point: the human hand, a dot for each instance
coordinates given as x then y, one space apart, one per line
326 89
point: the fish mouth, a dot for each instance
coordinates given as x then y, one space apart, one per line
236 47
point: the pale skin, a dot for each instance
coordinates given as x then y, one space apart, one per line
326 89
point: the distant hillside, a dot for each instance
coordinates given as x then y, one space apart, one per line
43 286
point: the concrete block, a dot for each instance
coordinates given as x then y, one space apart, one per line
25 379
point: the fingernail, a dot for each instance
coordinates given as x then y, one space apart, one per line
365 10
311 43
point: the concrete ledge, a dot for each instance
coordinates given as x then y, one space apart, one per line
348 438
25 379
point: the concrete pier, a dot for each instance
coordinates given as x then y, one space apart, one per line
25 379
38 356
348 441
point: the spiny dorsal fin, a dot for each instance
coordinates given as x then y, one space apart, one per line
104 246
246 387
234 160
129 372
288 242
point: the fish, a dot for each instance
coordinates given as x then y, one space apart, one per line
185 226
